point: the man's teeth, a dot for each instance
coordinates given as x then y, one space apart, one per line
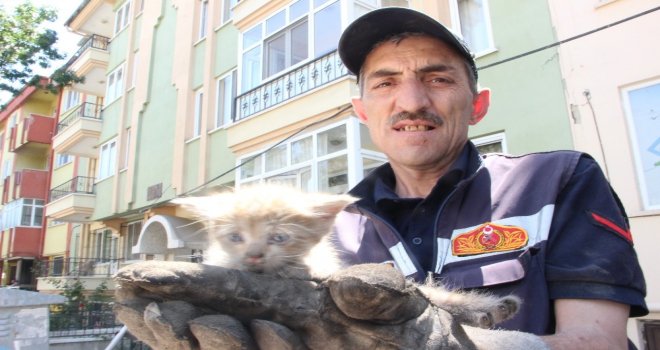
415 128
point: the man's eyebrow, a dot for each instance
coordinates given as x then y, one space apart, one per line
385 72
436 68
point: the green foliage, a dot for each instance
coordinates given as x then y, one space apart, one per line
79 310
24 43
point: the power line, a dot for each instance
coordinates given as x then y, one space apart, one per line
345 108
570 39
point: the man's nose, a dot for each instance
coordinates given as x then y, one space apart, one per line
412 96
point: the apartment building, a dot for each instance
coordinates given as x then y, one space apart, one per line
183 97
612 87
26 125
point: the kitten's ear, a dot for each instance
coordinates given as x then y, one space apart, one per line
329 205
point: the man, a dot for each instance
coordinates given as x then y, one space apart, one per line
546 227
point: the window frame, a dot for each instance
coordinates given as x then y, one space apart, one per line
196 130
107 160
221 119
115 85
456 27
499 137
122 18
642 183
226 12
203 19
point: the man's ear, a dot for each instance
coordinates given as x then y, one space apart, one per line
358 107
480 106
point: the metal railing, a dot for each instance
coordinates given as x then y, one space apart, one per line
95 318
317 73
76 267
79 184
94 41
84 110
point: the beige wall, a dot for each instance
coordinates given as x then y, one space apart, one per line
597 68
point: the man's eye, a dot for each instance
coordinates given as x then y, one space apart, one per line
440 80
277 238
235 237
382 84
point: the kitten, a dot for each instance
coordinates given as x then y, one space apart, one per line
284 232
270 229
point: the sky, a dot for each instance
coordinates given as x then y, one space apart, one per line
67 41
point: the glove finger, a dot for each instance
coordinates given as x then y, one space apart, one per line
377 293
221 332
131 314
271 335
169 322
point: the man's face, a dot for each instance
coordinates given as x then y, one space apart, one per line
416 101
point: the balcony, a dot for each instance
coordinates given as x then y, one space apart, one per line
33 135
91 62
78 131
72 201
30 183
302 80
90 270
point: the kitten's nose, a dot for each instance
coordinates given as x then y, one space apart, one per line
254 258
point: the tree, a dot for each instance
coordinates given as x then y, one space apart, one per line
24 42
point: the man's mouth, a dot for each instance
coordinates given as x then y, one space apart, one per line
415 128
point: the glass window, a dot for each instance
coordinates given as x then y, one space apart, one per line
286 49
275 23
369 164
276 158
327 29
132 235
251 37
251 167
495 143
107 159
332 140
643 107
226 94
475 24
32 212
115 87
299 178
227 12
72 99
298 9
122 17
62 159
301 150
333 175
251 68
203 18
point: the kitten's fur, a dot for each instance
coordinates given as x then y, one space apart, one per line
281 231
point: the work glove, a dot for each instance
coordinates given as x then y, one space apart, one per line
177 305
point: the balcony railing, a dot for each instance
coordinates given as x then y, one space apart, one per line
85 110
76 267
94 41
319 72
79 184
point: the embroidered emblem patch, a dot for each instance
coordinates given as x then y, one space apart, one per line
489 238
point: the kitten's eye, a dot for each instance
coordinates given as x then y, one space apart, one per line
277 238
235 237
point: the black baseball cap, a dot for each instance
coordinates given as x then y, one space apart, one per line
373 27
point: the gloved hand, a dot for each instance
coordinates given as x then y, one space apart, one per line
173 305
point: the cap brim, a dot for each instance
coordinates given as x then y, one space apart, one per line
360 36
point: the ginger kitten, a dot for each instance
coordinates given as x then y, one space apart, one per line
270 229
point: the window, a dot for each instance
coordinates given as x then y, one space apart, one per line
490 144
203 18
227 12
23 212
122 17
303 30
127 148
132 234
72 99
107 159
115 85
6 168
62 159
226 94
315 162
473 22
642 104
197 116
104 245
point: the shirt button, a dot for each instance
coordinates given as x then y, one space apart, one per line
417 241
